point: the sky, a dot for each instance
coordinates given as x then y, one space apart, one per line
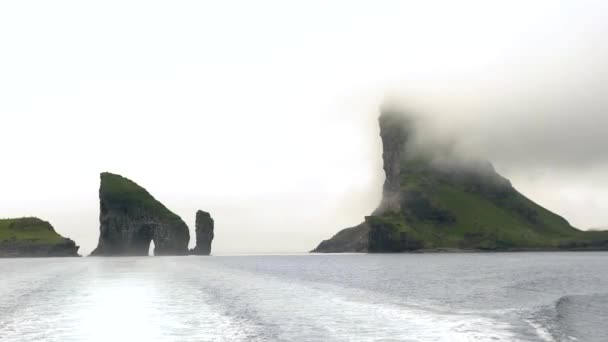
265 113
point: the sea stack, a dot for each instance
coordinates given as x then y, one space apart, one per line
204 233
130 218
32 237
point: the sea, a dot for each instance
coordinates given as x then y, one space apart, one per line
540 296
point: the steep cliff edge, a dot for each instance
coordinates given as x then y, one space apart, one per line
33 237
204 233
433 200
130 218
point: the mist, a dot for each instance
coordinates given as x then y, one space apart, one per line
265 114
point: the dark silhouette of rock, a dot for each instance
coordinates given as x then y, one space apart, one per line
33 237
395 133
354 240
130 218
204 233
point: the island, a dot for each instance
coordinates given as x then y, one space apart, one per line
130 218
437 200
33 237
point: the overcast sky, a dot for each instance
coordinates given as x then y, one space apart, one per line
264 112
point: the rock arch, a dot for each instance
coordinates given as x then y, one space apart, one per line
130 218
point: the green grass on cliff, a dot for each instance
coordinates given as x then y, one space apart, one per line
450 201
451 215
28 229
483 223
123 193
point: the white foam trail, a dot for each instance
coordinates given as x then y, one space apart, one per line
542 332
319 312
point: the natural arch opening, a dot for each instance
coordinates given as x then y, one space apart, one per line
151 249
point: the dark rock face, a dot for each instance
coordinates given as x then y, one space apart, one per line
204 233
385 237
394 133
130 218
32 237
353 239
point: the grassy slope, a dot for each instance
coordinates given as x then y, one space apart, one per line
28 229
122 192
480 222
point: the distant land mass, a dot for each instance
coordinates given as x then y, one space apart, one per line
434 200
130 219
33 237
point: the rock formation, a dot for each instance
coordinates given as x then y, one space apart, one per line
394 133
204 233
33 237
436 200
354 240
130 218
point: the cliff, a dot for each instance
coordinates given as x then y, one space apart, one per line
436 200
130 218
33 237
204 233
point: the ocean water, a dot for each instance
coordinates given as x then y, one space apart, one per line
389 297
